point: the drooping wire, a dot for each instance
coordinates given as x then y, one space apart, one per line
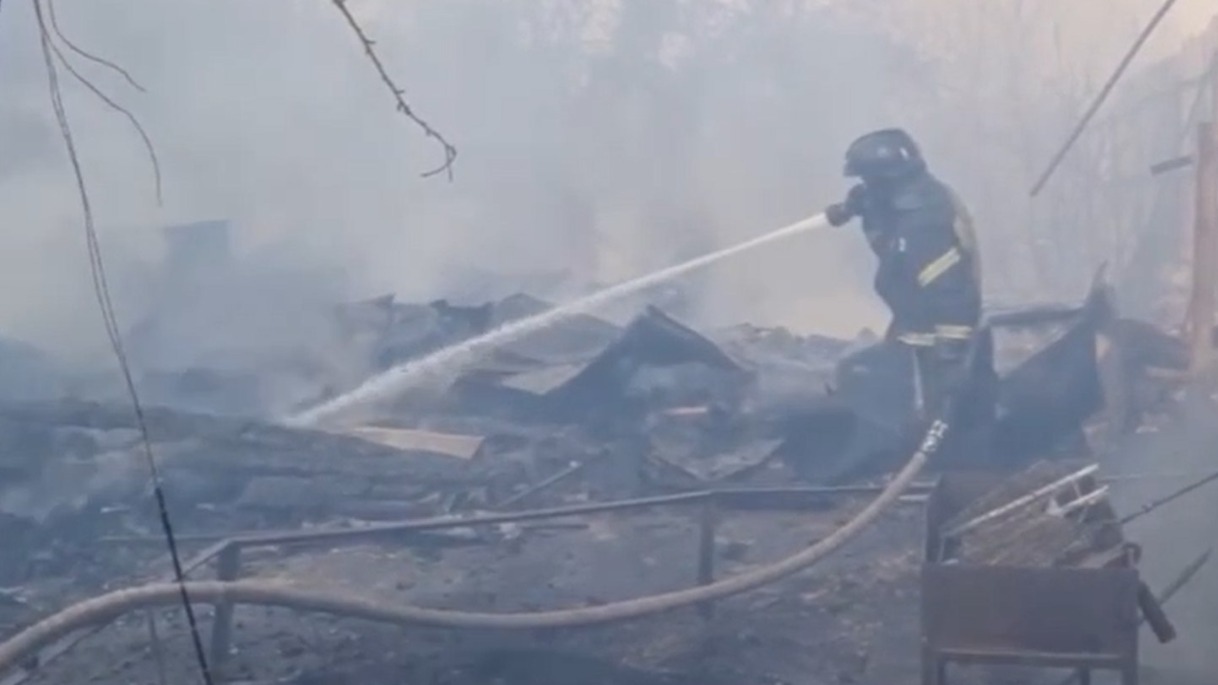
87 55
1081 126
135 123
106 306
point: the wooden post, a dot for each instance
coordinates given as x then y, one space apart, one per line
228 567
1205 250
706 551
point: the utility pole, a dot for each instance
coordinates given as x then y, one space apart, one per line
1205 239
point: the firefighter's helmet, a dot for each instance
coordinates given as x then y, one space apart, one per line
887 153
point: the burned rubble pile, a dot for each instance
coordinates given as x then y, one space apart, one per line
585 409
78 471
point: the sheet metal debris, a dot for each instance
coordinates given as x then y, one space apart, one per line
408 440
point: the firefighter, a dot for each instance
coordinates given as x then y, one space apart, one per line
928 273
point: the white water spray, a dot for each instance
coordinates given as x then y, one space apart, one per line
411 373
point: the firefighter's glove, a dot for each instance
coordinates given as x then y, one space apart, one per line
842 212
838 215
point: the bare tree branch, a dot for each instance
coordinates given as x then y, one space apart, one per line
450 152
87 55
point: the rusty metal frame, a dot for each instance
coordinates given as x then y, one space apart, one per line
1077 618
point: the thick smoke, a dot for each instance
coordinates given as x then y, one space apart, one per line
597 141
591 165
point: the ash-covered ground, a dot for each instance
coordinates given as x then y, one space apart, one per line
586 411
853 620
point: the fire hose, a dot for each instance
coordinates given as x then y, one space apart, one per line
107 607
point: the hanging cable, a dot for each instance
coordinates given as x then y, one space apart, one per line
106 306
85 54
1102 96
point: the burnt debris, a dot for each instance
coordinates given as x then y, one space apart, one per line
583 409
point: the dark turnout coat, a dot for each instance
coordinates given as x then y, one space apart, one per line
929 272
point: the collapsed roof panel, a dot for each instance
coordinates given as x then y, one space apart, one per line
1050 395
543 381
654 357
652 339
1043 400
573 338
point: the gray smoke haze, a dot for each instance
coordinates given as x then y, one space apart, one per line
597 141
601 166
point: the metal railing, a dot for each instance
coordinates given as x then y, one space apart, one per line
228 550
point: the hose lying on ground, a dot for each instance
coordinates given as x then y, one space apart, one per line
107 607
